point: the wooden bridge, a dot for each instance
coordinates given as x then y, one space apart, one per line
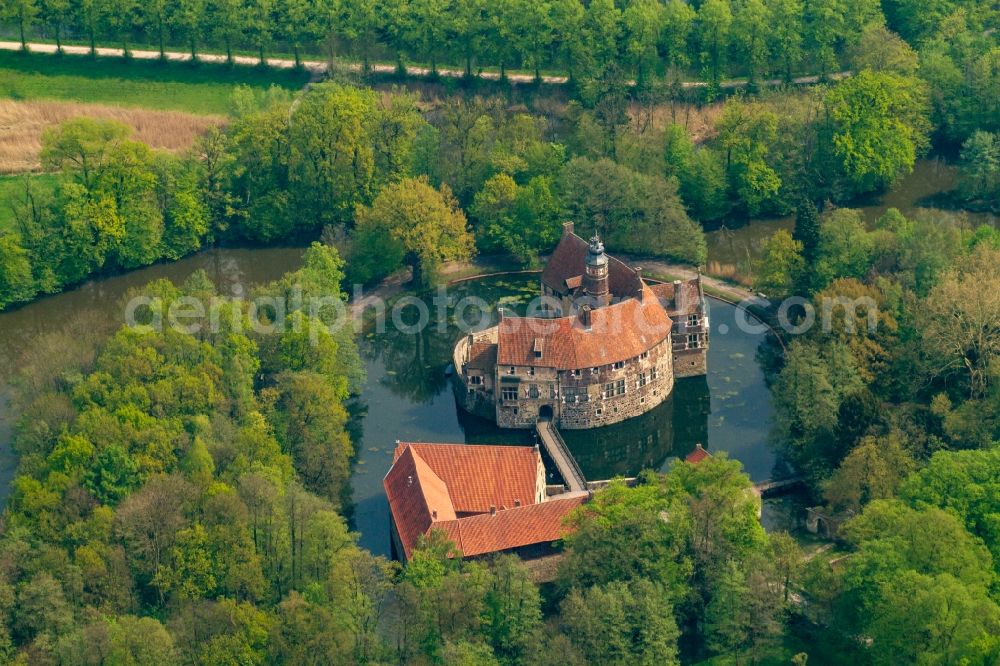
556 447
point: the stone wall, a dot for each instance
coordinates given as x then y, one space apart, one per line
472 400
577 399
690 363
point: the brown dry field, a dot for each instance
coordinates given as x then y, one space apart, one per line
22 124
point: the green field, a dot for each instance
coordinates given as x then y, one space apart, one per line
11 189
196 88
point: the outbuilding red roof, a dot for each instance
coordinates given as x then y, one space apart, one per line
697 455
617 332
513 528
417 498
479 476
431 484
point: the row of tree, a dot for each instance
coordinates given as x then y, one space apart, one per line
715 37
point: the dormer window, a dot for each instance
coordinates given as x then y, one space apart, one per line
538 347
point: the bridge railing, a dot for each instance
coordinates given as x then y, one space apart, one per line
560 443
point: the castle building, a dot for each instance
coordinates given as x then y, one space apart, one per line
606 345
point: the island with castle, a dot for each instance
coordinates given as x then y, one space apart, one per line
606 346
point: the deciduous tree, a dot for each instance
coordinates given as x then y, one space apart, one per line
425 225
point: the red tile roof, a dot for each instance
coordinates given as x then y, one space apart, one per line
457 479
697 455
567 264
513 528
479 477
618 332
483 356
690 296
415 493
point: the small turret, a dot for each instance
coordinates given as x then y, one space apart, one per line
595 277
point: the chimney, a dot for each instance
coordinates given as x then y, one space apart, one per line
585 316
638 272
493 510
434 514
567 228
678 296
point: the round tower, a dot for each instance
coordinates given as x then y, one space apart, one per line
595 277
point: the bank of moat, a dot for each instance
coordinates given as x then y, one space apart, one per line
606 346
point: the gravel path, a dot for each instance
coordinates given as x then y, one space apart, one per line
320 66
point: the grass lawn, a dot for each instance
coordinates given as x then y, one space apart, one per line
11 189
196 88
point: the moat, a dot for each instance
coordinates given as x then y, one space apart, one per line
408 396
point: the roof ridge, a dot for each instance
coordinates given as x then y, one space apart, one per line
505 447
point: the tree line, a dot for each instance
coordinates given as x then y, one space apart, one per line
712 38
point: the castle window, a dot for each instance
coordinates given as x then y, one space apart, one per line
620 387
643 356
475 380
511 370
593 371
509 394
694 341
533 392
642 379
599 411
576 373
694 320
609 390
653 373
531 371
619 365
